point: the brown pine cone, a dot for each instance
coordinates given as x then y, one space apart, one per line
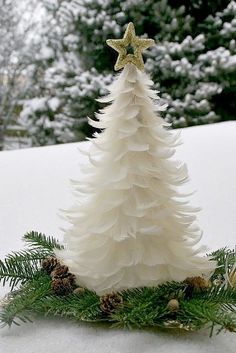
110 302
49 264
173 305
199 283
196 284
71 278
61 286
60 271
79 291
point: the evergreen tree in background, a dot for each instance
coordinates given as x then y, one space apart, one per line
10 69
62 92
193 63
15 55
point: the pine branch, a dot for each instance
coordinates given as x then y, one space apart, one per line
147 306
34 255
18 309
15 273
85 307
165 291
170 290
223 256
201 313
39 240
20 267
220 294
138 316
36 297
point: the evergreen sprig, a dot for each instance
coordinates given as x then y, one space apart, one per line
221 294
85 308
225 258
141 307
200 313
18 307
21 266
39 240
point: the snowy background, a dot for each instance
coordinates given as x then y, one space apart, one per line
54 63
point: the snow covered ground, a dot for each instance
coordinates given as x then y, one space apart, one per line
34 185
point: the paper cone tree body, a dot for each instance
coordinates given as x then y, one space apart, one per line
132 227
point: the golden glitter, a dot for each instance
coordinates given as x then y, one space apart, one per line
122 45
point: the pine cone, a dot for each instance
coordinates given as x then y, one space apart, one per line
60 271
49 264
196 284
79 291
173 305
71 278
110 302
62 286
199 283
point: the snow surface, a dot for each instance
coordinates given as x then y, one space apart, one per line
35 185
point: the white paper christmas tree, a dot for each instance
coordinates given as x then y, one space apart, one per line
132 227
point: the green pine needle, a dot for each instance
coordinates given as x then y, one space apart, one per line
85 307
18 308
224 257
201 313
15 273
220 294
20 267
39 240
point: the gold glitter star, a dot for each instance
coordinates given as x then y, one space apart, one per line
121 46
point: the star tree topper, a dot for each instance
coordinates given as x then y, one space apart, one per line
122 45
